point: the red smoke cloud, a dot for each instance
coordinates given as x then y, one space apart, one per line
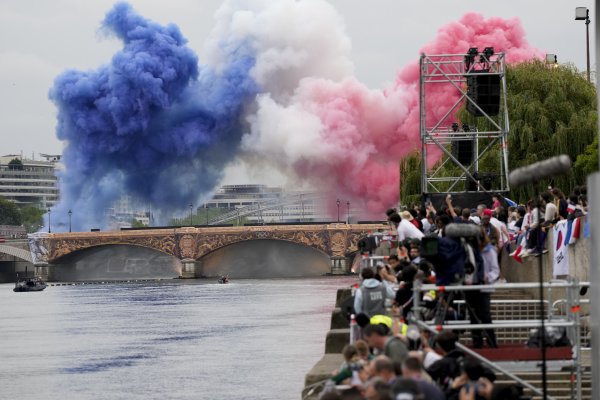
372 130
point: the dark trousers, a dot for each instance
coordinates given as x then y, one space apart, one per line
479 307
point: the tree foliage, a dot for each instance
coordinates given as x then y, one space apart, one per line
136 223
410 178
15 164
32 218
552 111
9 213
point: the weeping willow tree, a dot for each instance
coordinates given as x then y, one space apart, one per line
410 179
552 111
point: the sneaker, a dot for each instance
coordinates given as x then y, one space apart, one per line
535 253
513 253
524 253
501 280
544 251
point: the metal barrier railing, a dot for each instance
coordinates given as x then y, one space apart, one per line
530 305
571 321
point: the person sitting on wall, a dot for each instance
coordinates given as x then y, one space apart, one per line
379 337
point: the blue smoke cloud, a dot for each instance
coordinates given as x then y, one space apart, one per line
152 123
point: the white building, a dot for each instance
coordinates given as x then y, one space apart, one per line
29 182
291 206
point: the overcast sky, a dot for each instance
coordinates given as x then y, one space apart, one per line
40 39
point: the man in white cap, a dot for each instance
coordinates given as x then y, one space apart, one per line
406 230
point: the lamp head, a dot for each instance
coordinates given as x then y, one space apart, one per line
581 13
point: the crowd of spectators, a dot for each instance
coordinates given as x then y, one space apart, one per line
394 359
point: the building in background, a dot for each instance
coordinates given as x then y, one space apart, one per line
28 181
125 211
267 204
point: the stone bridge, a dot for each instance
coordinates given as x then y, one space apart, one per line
190 244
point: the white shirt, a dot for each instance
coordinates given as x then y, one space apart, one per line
501 226
550 213
406 230
426 225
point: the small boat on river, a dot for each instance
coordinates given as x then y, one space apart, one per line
223 279
34 284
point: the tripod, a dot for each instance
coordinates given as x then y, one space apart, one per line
478 306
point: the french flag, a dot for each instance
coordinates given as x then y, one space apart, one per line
516 256
573 230
509 202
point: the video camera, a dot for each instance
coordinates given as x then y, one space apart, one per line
455 256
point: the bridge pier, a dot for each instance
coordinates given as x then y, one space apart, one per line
43 271
191 268
339 265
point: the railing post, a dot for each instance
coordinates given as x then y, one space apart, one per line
576 311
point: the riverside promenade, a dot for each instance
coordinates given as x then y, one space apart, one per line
513 305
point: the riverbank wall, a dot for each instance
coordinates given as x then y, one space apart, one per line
337 337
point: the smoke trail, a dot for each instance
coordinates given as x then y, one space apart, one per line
347 138
151 123
156 125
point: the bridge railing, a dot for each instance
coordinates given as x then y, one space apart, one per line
571 320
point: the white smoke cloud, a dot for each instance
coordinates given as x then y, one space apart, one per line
290 40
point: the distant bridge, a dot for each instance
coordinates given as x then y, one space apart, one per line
259 207
191 244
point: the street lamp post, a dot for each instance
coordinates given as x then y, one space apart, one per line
70 213
49 230
583 14
338 207
302 202
191 207
206 209
348 219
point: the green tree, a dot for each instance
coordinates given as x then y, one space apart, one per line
135 223
410 179
9 213
15 164
32 218
588 161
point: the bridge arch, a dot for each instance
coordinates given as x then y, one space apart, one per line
206 249
264 258
115 262
96 246
16 252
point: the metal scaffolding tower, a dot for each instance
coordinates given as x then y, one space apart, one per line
478 80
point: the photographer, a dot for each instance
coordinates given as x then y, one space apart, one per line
457 259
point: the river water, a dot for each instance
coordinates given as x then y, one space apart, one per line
250 339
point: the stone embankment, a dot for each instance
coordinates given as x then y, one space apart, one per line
337 337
